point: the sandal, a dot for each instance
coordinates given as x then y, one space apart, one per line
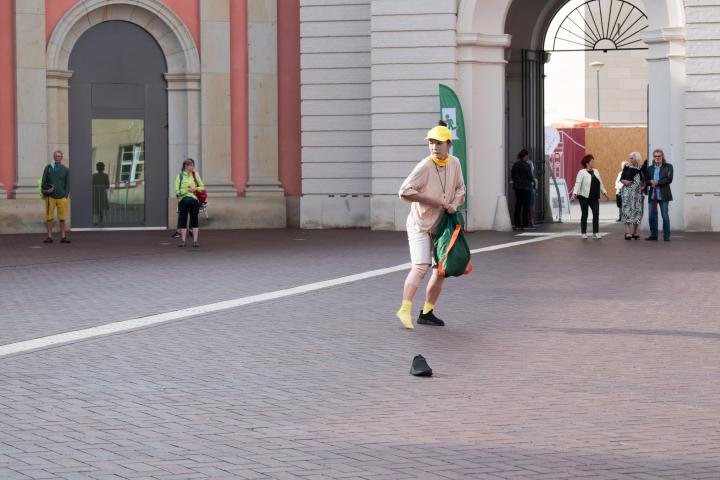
48 240
636 237
628 237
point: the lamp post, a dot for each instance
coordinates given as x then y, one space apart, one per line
597 66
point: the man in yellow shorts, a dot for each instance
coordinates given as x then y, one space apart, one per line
56 188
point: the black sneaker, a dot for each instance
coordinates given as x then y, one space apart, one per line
430 319
182 244
420 368
196 245
175 235
651 239
65 240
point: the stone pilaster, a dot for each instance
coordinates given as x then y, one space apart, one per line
183 110
31 100
666 117
263 103
215 161
481 61
58 130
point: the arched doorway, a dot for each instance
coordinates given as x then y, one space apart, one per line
118 128
557 91
491 34
182 77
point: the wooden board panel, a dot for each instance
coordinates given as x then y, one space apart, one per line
610 147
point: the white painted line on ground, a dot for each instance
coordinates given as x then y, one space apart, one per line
143 322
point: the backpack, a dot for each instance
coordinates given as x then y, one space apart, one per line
450 249
200 194
45 190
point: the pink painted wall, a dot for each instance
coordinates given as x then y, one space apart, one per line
239 94
7 96
187 10
289 140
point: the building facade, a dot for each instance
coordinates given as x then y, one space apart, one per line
311 112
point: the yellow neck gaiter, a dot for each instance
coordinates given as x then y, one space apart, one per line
440 163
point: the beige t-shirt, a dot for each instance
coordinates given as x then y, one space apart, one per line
444 184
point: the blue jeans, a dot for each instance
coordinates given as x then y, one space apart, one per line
653 218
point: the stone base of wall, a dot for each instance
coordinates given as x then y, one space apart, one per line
226 213
292 207
702 213
389 212
336 211
23 215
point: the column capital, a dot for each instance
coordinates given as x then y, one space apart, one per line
483 40
665 44
183 81
58 78
482 49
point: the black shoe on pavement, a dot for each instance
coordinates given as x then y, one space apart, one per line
65 240
667 239
196 245
430 319
48 240
182 244
175 235
651 239
420 368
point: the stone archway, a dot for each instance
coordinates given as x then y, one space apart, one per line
181 55
482 42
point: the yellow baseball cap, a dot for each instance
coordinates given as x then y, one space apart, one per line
439 133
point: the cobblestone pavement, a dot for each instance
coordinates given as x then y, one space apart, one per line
561 359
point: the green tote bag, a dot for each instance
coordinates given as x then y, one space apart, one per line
450 249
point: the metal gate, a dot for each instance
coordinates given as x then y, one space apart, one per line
533 75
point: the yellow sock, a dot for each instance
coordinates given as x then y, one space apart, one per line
428 308
405 314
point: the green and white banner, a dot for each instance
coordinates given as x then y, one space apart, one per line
451 113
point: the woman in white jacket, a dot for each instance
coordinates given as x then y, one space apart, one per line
587 189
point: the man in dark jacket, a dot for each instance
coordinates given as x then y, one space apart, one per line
56 188
522 178
659 176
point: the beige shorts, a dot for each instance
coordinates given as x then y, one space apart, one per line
420 247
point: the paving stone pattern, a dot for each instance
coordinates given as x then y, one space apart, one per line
563 359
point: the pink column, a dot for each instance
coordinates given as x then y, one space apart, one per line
289 140
239 93
7 96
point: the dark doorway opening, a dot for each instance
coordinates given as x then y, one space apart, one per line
118 129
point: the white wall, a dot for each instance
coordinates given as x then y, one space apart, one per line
565 80
702 112
335 109
413 51
623 87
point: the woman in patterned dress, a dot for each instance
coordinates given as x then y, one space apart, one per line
632 180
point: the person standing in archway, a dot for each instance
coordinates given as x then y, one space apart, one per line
587 189
523 181
435 185
659 176
632 181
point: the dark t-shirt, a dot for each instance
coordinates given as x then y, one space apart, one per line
594 188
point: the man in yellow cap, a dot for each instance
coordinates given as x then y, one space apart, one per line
434 186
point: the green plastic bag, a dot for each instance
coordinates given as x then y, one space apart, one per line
450 249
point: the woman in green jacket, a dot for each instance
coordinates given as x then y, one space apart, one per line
187 184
